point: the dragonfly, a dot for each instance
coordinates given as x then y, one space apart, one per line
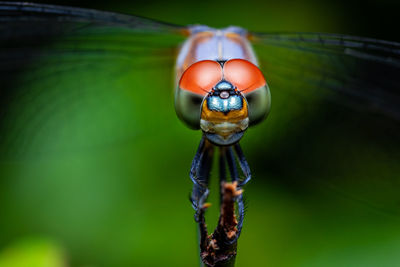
221 84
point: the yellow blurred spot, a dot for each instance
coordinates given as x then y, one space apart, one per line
32 253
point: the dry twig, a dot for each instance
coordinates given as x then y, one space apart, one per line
219 248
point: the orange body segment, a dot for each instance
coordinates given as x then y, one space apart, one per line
233 116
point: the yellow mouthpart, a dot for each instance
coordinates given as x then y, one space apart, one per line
233 116
224 124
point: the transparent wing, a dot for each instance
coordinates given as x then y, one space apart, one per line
33 30
86 104
12 12
334 125
363 71
54 58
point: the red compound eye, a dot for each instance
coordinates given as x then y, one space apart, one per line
201 77
244 75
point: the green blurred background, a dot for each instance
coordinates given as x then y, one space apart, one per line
99 176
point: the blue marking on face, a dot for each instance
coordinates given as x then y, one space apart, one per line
224 85
216 103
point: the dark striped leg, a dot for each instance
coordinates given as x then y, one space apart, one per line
235 177
230 158
222 167
244 166
200 173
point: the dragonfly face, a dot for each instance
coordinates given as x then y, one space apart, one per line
224 114
222 110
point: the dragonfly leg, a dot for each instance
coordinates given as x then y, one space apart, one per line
222 167
243 165
230 157
200 173
239 200
196 163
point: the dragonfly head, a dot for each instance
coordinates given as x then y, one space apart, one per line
224 114
227 96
